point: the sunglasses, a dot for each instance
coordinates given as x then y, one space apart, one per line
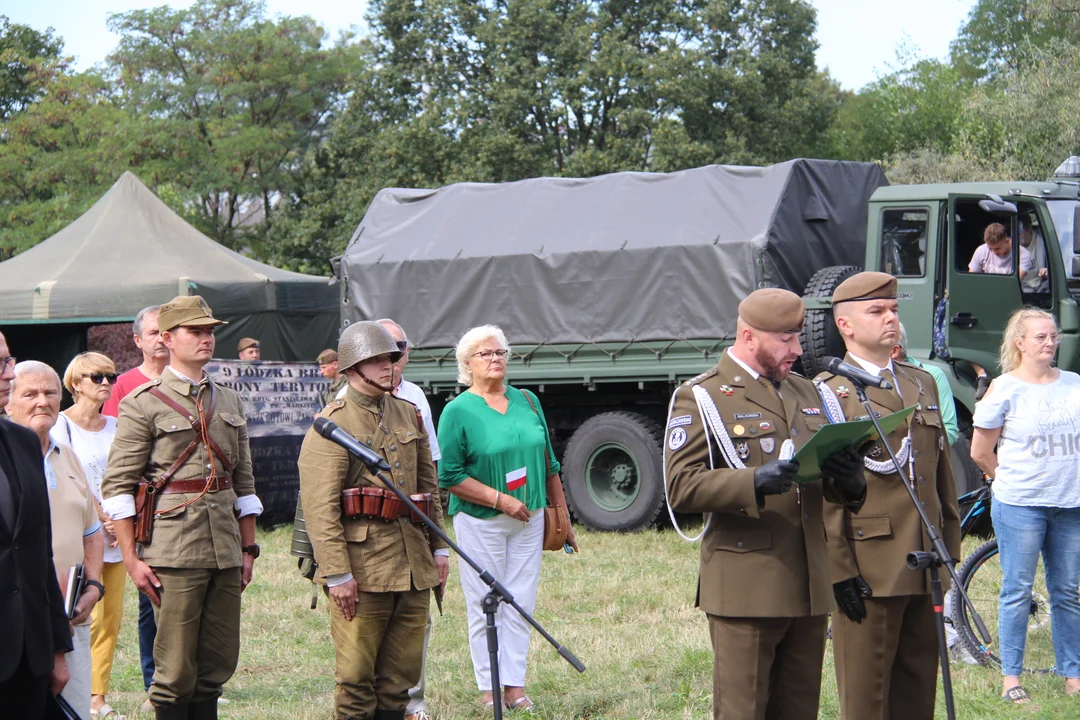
402 345
99 378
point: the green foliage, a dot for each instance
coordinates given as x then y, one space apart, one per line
457 90
20 46
1000 36
221 102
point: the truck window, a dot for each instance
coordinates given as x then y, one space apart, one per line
1061 212
970 226
1037 281
903 241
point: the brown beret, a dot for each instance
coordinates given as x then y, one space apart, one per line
245 343
865 286
326 357
186 310
773 310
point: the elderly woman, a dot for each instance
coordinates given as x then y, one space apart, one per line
1031 412
90 378
498 465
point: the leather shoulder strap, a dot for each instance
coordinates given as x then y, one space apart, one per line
547 458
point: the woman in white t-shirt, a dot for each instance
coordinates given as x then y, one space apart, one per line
90 378
1032 413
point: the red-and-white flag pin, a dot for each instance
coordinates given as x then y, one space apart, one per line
515 479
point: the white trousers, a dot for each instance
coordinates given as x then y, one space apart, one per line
77 691
511 550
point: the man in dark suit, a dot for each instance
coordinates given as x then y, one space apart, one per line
35 632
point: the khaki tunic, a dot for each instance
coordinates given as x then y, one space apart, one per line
150 435
385 556
876 543
756 561
331 392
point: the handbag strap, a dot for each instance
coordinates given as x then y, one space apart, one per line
547 458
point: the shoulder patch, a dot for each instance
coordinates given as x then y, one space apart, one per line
700 378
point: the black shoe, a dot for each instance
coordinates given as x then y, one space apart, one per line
389 715
171 712
982 386
203 710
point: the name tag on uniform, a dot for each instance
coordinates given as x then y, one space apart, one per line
515 479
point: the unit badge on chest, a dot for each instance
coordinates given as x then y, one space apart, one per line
726 389
843 391
765 426
743 449
767 445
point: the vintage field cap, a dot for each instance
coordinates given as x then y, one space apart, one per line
773 310
245 343
186 310
326 357
865 286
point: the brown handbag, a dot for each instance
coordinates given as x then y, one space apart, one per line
556 518
556 527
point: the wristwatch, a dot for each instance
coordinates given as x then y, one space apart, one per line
252 550
95 583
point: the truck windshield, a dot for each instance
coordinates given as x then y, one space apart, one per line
1061 211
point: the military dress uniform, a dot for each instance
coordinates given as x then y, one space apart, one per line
195 549
764 579
379 652
886 666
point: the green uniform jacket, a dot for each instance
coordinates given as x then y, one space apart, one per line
876 543
331 392
382 556
756 561
150 435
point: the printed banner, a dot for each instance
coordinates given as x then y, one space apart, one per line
280 403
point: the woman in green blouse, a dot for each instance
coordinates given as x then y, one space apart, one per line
500 469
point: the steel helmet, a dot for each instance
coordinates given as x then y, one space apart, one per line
364 340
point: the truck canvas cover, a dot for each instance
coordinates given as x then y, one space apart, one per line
615 258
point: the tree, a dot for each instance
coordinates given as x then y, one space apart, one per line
1001 36
495 91
221 104
20 46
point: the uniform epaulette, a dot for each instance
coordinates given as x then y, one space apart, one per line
146 386
333 406
700 378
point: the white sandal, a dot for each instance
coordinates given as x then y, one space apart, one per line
106 712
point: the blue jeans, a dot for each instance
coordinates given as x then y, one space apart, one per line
147 633
1022 534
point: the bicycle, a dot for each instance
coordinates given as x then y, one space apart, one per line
980 574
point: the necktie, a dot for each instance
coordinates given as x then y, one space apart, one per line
887 375
772 388
7 501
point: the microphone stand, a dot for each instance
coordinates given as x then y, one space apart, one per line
490 603
939 556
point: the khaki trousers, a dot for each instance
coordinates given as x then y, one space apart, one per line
886 666
767 668
198 636
379 652
105 626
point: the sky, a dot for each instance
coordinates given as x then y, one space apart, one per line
859 39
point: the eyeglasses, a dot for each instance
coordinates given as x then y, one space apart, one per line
99 378
402 345
490 355
1043 338
7 363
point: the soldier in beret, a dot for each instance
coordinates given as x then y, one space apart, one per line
328 368
187 429
248 349
884 639
378 570
764 577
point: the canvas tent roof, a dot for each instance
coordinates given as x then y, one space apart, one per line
611 258
130 250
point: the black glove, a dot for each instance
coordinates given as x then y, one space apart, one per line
849 597
774 478
846 470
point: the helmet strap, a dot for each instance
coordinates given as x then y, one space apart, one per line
371 382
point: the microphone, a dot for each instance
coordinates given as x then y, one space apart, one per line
329 430
856 374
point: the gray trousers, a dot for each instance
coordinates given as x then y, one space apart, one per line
417 703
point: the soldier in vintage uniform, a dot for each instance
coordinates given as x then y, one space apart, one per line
188 431
378 566
884 639
764 579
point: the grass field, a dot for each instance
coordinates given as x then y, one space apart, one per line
624 606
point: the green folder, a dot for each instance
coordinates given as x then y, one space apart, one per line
835 437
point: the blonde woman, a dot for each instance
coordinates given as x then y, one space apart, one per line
90 378
1032 413
499 466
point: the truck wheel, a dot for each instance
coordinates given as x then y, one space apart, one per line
819 336
613 471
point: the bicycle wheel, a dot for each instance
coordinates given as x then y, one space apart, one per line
981 577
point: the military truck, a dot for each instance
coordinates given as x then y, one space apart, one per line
614 289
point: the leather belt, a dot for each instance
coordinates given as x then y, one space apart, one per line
196 485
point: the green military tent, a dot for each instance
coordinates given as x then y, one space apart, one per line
129 251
